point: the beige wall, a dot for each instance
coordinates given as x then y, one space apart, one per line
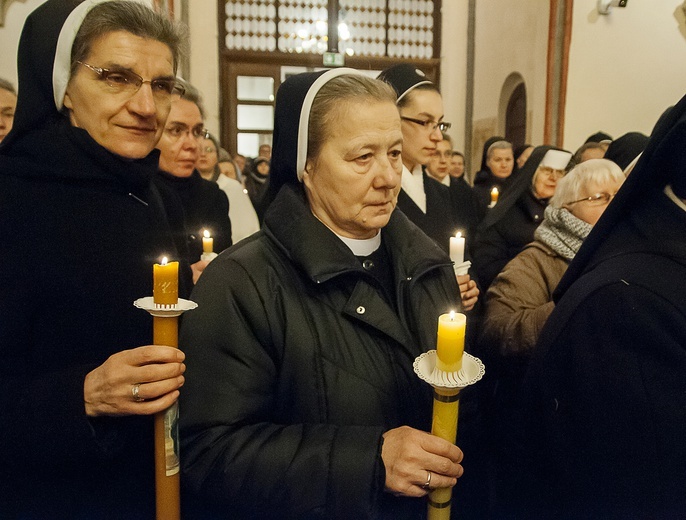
510 41
9 36
625 68
204 57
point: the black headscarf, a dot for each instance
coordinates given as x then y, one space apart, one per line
626 148
598 137
35 64
519 186
661 163
291 121
485 172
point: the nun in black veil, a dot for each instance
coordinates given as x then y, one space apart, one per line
82 223
497 154
625 149
603 411
300 400
510 225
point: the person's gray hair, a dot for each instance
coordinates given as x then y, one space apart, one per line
597 171
192 94
498 145
6 85
132 17
333 95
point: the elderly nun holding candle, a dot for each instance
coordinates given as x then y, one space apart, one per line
82 224
301 401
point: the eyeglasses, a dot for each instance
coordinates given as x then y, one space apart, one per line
208 149
429 125
126 81
599 199
443 155
550 172
177 130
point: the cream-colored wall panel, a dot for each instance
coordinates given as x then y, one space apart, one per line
204 57
511 37
625 68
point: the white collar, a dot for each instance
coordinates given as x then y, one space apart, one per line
362 246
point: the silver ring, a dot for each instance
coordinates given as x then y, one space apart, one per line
134 391
428 480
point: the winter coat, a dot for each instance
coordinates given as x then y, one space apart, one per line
520 300
81 230
603 408
297 365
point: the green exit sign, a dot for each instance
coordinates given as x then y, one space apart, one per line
334 59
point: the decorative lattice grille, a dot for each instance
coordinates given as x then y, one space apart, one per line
365 27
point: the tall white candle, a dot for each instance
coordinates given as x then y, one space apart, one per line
457 248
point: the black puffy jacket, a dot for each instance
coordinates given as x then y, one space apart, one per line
297 366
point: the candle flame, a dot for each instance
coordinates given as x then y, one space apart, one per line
494 191
164 261
452 315
206 234
458 234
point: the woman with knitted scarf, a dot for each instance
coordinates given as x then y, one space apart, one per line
520 299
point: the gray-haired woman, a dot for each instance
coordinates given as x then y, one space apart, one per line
520 299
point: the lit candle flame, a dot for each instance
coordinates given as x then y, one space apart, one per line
458 234
206 234
452 315
164 261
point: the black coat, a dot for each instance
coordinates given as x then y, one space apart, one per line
205 206
439 221
297 366
81 229
604 404
498 244
466 209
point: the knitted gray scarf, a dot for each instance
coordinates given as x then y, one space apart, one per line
562 232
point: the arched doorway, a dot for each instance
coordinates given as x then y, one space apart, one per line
515 116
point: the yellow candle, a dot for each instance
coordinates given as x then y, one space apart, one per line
494 195
207 242
165 288
450 345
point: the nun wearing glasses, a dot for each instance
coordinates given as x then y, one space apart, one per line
300 400
428 204
83 222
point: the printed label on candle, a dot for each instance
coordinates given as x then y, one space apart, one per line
171 439
165 288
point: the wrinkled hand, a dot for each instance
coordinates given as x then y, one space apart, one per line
197 268
408 454
158 370
469 292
